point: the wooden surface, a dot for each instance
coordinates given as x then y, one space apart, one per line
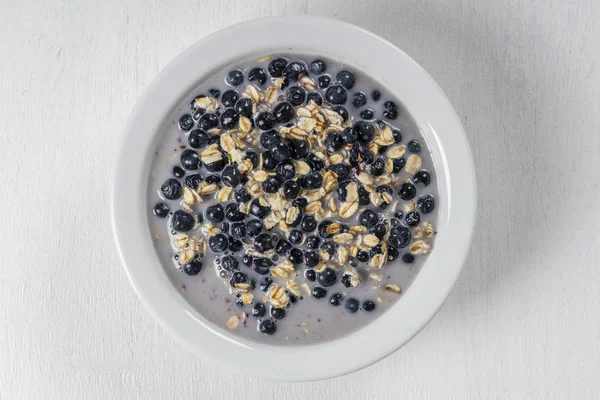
523 320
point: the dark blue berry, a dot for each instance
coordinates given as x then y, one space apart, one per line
336 299
413 146
426 203
316 97
364 131
397 135
229 119
341 170
197 139
399 237
392 253
398 163
215 93
190 160
318 67
208 121
294 70
346 79
423 177
368 218
333 142
283 247
283 112
231 176
264 285
247 260
363 256
285 170
336 94
319 292
235 77
313 242
218 243
408 258
216 179
412 218
391 110
378 167
280 151
295 95
359 99
254 227
269 162
301 203
342 112
230 97
233 213
257 75
258 210
277 313
193 267
308 224
379 230
269 138
310 275
329 247
241 195
296 236
314 162
349 135
327 277
368 305
215 213
353 262
263 242
324 81
312 180
262 265
238 230
230 263
253 156
366 114
322 228
267 326
363 196
171 189
291 189
375 95
265 120
277 66
271 184
311 259
242 107
161 210
186 122
407 191
198 113
298 148
346 281
296 256
352 305
259 310
193 181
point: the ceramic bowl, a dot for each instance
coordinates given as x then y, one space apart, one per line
440 127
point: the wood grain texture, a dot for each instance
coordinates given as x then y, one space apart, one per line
522 322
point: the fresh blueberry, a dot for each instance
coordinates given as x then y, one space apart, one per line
346 281
186 122
413 146
342 112
242 107
392 253
295 95
171 189
352 305
267 326
231 176
269 162
368 218
277 66
378 167
313 242
319 292
268 138
294 70
407 191
215 93
198 113
368 305
359 99
283 112
316 97
262 265
265 120
208 121
247 260
336 299
363 196
225 228
375 95
216 179
308 224
258 210
259 310
271 185
197 139
366 156
229 119
412 218
329 247
215 213
426 203
301 203
408 258
193 267
341 170
333 142
322 229
353 262
397 135
341 190
230 97
423 177
346 79
400 237
365 131
238 230
257 74
391 110
230 263
314 162
327 277
218 243
296 236
233 213
336 94
277 313
190 160
366 114
349 135
254 227
398 163
283 247
296 256
318 67
312 180
235 77
363 256
266 282
310 275
379 230
263 242
311 259
298 148
161 210
291 189
280 151
285 170
324 81
193 181
241 195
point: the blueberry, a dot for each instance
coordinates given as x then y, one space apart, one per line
193 267
359 99
327 277
294 70
208 121
265 120
259 210
216 179
398 214
363 256
215 213
378 167
314 162
229 119
412 218
367 157
308 224
197 139
301 203
283 247
341 190
295 95
322 228
333 142
233 213
413 146
247 260
312 180
319 292
336 94
397 135
391 110
311 259
349 135
368 305
263 242
318 67
423 177
352 305
379 230
186 122
392 253
235 77
426 203
336 299
341 170
313 242
215 139
353 262
407 191
296 236
193 181
241 195
277 313
262 265
218 243
198 113
254 227
253 156
269 138
267 326
171 189
296 256
291 189
242 107
400 237
316 97
225 228
277 66
259 310
310 275
271 185
294 220
161 210
363 196
257 74
190 160
398 163
346 281
230 97
285 170
238 230
269 162
298 148
230 263
264 285
368 218
342 112
283 112
231 176
364 131
375 95
329 247
366 114
408 258
324 81
215 93
280 151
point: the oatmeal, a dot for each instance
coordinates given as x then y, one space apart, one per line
292 202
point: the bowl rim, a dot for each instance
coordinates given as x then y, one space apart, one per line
443 133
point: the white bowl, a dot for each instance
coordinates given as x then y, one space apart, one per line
434 115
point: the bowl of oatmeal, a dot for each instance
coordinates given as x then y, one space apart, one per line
282 198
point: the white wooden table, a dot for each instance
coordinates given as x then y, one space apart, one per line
523 320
